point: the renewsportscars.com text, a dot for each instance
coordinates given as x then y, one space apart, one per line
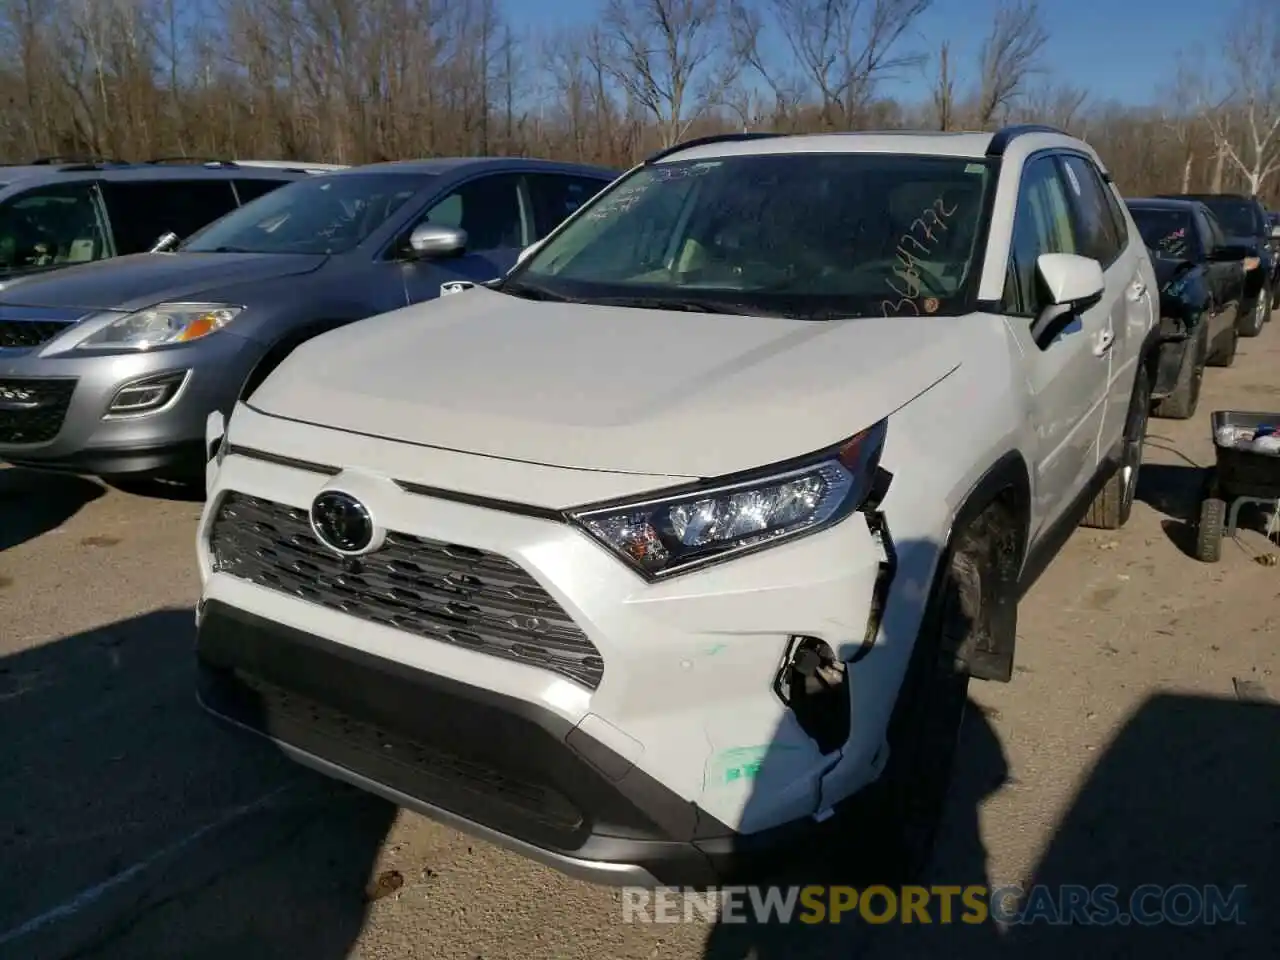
1060 905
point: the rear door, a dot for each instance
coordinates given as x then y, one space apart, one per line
1127 301
142 211
1067 379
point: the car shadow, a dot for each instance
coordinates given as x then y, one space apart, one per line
1175 490
153 489
1168 848
141 827
32 503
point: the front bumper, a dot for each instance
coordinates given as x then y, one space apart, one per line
681 765
509 771
76 430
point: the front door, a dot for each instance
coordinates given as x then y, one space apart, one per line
495 214
1066 379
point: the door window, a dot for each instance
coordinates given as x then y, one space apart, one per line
487 208
248 190
1042 224
52 225
1094 224
142 211
556 196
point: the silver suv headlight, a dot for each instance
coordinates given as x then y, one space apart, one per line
694 527
161 325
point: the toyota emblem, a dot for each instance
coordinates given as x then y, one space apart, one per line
343 524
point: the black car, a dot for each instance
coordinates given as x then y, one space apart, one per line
1245 221
1202 283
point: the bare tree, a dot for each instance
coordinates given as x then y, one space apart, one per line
673 59
1009 55
842 49
1253 57
944 89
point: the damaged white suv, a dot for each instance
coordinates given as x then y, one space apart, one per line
682 541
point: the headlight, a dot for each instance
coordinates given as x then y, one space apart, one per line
690 529
163 324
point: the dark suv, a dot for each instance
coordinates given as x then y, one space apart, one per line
1245 220
56 213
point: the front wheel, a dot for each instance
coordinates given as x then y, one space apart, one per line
1111 508
1258 316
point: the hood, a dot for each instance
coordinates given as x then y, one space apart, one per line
603 388
143 279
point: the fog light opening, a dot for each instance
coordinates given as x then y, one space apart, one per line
814 684
146 395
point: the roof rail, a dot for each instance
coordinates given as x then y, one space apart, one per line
1000 142
78 161
703 141
202 161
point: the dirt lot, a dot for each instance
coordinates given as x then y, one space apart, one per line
132 827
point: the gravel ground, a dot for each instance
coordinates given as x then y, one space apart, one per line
131 826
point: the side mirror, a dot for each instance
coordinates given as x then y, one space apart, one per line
1275 232
1229 252
527 252
166 242
430 241
1074 284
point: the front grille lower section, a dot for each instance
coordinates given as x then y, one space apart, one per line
22 334
446 592
399 756
32 411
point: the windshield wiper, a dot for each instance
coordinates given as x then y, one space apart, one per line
690 305
529 291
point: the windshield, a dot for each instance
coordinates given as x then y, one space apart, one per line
804 235
1239 217
324 214
1167 233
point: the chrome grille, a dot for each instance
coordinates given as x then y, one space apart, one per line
29 333
447 592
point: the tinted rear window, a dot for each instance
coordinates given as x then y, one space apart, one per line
1168 233
1239 217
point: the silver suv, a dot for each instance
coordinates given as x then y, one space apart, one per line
112 368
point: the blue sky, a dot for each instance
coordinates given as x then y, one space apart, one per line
1115 49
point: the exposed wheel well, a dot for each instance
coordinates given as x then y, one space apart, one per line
999 510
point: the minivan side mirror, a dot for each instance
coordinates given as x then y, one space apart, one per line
430 241
1074 284
166 242
527 252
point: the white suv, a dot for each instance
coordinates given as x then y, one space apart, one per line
683 540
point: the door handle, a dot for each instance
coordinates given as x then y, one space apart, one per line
1137 290
1103 344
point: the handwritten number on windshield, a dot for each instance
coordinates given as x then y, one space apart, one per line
907 269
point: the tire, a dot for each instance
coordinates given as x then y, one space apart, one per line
1182 402
909 798
1225 355
1258 314
1209 529
1111 508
